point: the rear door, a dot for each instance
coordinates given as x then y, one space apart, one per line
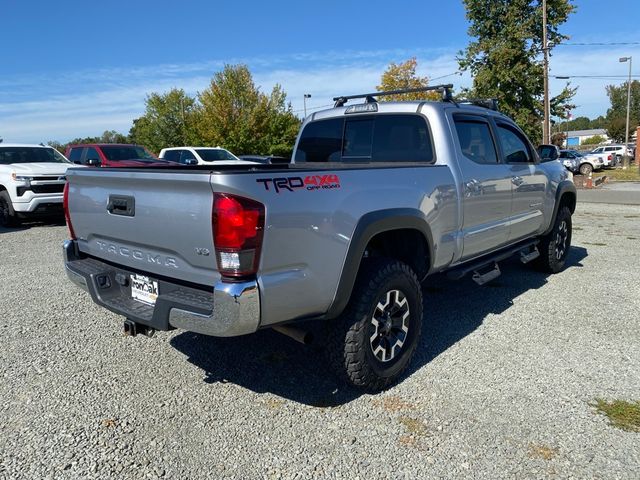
529 181
486 185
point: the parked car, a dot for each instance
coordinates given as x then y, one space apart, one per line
32 179
269 159
611 155
200 156
379 196
586 163
112 155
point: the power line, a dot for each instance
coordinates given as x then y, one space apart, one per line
590 44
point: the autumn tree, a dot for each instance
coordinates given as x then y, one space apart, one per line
234 113
505 57
168 121
402 76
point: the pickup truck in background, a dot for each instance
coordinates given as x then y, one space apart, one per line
379 196
32 178
200 156
112 155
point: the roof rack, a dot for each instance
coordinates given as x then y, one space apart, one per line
370 97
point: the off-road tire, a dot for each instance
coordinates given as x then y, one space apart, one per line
7 215
586 168
350 336
554 247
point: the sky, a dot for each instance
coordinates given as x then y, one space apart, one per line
77 68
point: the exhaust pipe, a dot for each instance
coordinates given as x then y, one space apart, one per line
297 334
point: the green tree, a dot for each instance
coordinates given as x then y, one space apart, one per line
618 98
168 121
595 140
234 113
616 127
617 114
403 75
505 57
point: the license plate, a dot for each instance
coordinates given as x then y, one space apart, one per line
144 289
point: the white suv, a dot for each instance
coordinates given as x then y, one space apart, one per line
32 179
611 154
200 156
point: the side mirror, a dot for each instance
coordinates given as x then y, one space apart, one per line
191 161
548 152
93 162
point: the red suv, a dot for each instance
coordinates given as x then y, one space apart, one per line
111 155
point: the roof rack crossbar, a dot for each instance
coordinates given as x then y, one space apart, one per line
370 97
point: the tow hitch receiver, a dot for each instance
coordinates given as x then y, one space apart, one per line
132 329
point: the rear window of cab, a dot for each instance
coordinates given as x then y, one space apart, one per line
367 138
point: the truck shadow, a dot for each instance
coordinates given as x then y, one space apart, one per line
268 362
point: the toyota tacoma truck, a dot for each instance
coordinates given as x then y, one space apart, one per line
32 178
379 196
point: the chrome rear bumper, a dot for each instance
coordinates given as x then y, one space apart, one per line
232 309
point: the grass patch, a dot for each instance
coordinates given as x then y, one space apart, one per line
414 427
393 404
621 414
629 175
631 238
542 451
597 244
578 228
632 216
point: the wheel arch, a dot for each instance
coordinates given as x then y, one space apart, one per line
373 231
565 195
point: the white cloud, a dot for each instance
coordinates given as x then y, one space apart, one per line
83 103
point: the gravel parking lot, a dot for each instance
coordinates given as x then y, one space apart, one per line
501 387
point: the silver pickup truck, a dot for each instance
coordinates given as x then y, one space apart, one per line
378 196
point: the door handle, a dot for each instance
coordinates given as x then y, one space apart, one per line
517 181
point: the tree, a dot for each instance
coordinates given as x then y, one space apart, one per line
617 114
618 98
616 127
505 57
558 139
234 113
108 136
595 140
168 121
403 75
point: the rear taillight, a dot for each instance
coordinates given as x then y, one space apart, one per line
65 205
238 224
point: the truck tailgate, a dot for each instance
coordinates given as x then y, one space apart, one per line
150 221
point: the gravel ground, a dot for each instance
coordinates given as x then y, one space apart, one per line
501 387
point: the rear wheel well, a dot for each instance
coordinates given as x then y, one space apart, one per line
407 245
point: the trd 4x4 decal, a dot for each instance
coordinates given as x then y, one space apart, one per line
310 182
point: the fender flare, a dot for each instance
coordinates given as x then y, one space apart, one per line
565 186
368 227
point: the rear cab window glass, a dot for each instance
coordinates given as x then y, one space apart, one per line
370 138
321 141
92 154
475 140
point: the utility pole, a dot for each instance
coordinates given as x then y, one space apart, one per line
306 95
545 51
625 161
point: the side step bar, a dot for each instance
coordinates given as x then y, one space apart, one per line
527 250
